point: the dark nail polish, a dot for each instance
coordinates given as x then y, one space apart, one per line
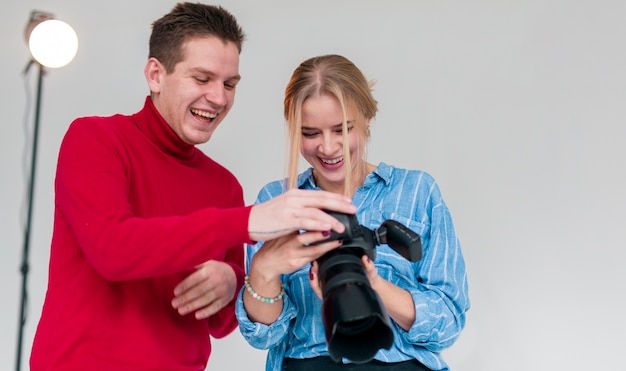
325 233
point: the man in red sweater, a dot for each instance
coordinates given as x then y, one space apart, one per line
147 248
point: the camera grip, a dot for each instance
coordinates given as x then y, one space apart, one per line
401 239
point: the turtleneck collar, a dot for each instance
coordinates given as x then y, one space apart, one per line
158 131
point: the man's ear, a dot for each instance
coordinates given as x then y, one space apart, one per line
153 73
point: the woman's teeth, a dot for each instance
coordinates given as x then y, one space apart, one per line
332 162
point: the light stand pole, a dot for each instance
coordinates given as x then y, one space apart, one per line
25 267
52 44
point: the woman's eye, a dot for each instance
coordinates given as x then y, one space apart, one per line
309 135
340 130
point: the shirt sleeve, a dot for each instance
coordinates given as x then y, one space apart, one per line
263 336
440 292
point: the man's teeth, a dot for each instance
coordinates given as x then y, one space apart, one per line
332 162
204 114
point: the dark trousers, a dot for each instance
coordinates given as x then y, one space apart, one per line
327 364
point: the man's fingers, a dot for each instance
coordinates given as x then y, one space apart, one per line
200 300
184 300
189 294
317 220
208 311
297 210
329 201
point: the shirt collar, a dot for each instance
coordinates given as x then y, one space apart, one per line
382 173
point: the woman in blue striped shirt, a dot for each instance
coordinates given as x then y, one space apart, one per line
328 108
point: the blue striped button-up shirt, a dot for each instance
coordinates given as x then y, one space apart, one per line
437 283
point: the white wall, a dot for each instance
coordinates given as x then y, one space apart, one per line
517 108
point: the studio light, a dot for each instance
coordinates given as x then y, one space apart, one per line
52 44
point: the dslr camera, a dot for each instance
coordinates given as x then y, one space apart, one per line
355 321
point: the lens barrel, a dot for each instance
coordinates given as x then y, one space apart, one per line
355 321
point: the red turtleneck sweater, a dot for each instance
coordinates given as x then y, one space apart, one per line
136 209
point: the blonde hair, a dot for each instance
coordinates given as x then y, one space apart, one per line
336 76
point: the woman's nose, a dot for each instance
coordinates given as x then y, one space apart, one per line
328 144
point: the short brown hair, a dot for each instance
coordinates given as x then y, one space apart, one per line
187 20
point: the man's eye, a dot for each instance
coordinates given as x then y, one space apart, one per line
201 80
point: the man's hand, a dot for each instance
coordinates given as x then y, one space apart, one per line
210 288
297 209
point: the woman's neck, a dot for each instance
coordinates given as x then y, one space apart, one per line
358 178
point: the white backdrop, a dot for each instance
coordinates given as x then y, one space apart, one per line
516 108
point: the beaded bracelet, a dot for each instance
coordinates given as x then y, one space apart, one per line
258 297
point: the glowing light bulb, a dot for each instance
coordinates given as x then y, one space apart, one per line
53 43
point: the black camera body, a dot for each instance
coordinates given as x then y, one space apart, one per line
355 321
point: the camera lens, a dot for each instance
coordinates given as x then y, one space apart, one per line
340 267
356 323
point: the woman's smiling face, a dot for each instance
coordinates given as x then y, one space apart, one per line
322 141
